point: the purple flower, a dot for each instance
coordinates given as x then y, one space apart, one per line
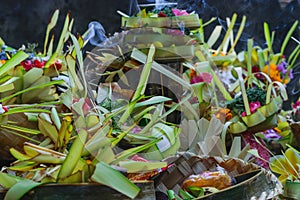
272 134
282 67
291 75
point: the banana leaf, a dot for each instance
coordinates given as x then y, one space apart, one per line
110 177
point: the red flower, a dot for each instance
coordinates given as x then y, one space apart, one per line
3 109
27 64
57 65
161 14
38 64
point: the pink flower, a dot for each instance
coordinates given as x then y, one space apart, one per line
138 158
178 12
253 107
136 129
295 105
203 77
87 105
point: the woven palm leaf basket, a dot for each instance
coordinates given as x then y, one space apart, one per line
251 181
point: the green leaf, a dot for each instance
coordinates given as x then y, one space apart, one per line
121 136
77 177
152 101
63 36
31 88
138 166
110 177
50 47
141 87
14 61
141 57
268 37
18 155
73 156
20 129
236 147
196 191
8 180
32 76
75 81
238 35
105 154
172 195
288 36
214 36
79 58
6 87
129 152
228 32
48 129
55 118
185 195
19 189
50 26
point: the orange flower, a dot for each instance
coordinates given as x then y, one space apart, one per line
192 74
224 113
273 72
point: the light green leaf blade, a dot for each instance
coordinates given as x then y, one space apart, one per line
138 166
50 26
214 36
73 156
110 177
288 36
152 100
7 180
11 63
19 189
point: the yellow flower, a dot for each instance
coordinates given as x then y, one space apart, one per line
286 165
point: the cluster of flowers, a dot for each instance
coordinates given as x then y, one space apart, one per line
165 12
39 63
31 62
278 72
